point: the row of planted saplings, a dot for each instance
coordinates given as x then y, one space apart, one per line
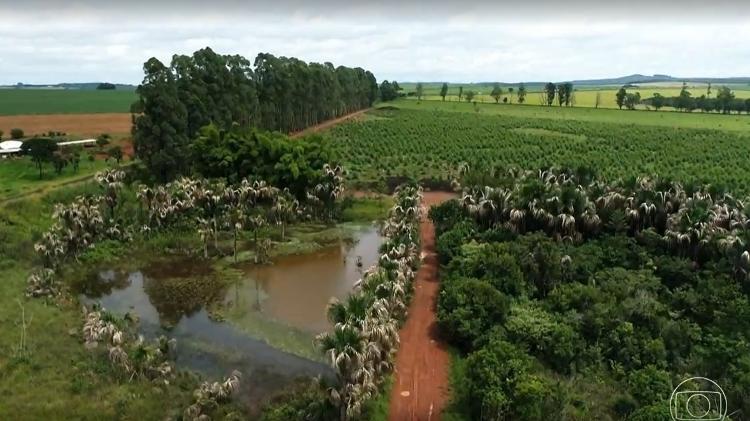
363 341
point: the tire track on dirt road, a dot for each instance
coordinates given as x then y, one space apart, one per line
420 388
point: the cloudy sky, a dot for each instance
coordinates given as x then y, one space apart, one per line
46 41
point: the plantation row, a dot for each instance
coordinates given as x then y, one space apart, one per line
571 299
430 144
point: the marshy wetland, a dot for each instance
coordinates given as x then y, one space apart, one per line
258 318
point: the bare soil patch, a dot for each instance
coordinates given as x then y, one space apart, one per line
86 125
330 123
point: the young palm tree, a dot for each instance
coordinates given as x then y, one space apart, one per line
345 349
111 182
255 223
284 210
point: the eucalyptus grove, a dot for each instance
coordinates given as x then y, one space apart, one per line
272 93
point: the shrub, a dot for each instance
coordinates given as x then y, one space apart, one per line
16 134
450 243
556 342
649 385
467 308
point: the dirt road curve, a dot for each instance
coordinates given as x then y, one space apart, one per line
329 123
420 389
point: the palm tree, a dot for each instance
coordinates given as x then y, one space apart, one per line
284 210
205 230
255 223
345 349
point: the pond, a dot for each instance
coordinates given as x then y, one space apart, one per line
262 321
296 289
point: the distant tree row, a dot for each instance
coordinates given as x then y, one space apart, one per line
389 90
272 93
562 91
106 86
497 93
725 101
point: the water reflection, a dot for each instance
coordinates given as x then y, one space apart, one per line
277 301
295 290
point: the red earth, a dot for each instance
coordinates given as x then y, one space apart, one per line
89 125
329 123
420 388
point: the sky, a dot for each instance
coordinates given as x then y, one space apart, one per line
46 41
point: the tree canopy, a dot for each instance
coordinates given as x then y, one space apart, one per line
557 284
240 153
272 93
41 150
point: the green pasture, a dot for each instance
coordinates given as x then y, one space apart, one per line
19 176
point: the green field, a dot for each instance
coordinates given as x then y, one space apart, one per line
20 176
583 96
430 143
62 101
669 119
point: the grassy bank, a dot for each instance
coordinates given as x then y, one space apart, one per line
20 176
53 376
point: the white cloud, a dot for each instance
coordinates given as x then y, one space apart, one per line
84 42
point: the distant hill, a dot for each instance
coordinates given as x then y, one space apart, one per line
638 78
634 79
85 86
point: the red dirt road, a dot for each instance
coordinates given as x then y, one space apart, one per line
420 389
329 123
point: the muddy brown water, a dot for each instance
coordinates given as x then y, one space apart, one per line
296 290
170 298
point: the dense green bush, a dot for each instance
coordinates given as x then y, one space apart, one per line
617 317
468 308
450 242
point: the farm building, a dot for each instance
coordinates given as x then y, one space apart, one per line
82 142
10 148
13 147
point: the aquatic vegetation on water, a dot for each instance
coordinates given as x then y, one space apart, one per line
175 297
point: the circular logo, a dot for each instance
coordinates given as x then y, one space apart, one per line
698 399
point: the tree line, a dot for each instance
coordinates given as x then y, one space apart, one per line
725 101
272 93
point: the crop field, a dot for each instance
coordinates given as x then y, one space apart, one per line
583 96
64 101
678 120
430 144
